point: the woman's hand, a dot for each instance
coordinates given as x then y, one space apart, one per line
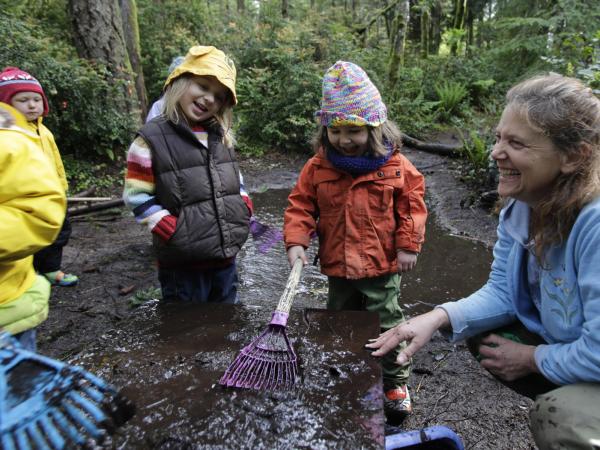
295 252
406 260
416 331
506 359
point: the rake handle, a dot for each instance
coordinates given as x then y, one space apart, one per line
287 298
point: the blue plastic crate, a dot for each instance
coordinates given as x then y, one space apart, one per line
431 438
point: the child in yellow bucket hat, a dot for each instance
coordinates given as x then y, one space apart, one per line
183 181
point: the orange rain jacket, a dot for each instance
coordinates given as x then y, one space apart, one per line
361 220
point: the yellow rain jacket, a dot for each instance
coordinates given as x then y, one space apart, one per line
32 209
49 147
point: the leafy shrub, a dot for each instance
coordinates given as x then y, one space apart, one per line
279 89
476 152
481 90
85 116
166 31
83 174
450 96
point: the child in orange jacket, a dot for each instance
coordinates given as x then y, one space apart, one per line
365 201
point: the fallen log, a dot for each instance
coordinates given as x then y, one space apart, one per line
86 193
96 207
88 199
432 147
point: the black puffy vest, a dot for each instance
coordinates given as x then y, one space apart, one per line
202 188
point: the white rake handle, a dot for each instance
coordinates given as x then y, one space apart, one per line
287 298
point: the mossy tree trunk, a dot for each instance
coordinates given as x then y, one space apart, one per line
398 37
132 43
98 35
285 9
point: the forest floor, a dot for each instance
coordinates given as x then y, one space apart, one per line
112 256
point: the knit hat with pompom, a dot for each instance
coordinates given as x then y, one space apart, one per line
14 80
350 98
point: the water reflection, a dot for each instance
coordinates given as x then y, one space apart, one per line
449 267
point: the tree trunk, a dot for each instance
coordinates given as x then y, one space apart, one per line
132 43
469 27
98 35
241 5
399 36
425 33
435 28
285 13
459 17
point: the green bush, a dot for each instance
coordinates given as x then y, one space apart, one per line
450 96
475 151
83 174
279 90
84 114
166 31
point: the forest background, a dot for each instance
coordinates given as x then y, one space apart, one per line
440 64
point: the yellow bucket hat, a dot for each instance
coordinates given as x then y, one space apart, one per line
207 60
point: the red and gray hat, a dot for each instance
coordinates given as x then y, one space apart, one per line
14 80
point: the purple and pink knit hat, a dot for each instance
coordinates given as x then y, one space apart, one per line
350 98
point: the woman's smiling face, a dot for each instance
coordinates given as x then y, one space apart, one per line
528 161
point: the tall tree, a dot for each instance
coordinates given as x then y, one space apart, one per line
132 43
285 13
98 34
397 40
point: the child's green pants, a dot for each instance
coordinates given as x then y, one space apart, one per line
380 295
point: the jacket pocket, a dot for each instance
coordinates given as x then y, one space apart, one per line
381 198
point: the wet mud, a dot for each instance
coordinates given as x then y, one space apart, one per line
169 359
170 364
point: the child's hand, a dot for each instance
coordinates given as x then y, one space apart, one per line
295 252
6 120
406 260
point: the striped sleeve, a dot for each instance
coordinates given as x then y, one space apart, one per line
139 191
245 196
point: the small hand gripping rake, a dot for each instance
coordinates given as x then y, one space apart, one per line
269 362
47 404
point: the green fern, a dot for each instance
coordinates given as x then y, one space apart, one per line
450 95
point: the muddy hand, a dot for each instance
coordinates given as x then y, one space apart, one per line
416 332
295 252
506 359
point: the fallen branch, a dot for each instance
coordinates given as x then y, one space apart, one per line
97 207
432 147
88 199
360 29
86 193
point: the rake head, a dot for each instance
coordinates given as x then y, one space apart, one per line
264 236
47 404
267 363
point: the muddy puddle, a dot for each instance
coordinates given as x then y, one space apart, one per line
170 370
448 268
169 359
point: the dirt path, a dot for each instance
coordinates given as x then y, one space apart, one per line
111 253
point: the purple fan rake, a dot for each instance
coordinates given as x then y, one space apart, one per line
264 236
269 362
